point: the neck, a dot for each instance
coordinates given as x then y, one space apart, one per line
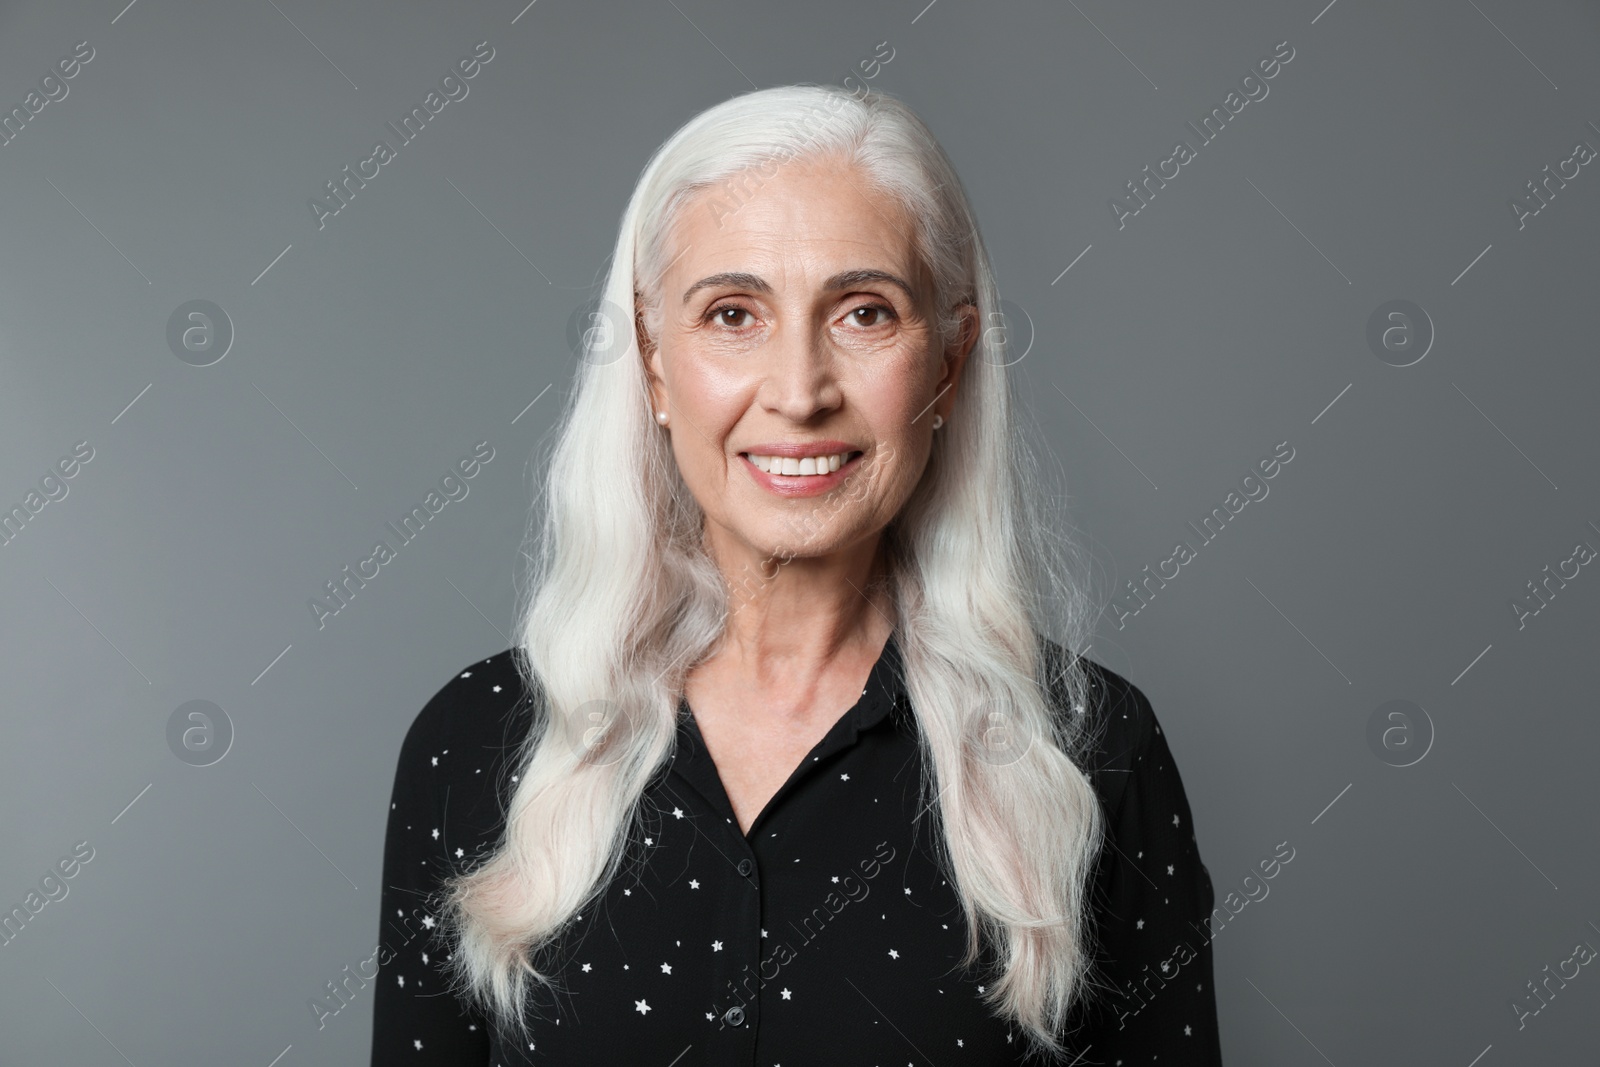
794 619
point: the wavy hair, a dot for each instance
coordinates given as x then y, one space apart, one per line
624 599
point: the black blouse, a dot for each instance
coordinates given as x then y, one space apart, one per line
825 935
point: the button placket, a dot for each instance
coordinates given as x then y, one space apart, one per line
738 1022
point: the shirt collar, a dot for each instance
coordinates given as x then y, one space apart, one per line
885 687
882 694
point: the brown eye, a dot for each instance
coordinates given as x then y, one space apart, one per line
872 314
727 315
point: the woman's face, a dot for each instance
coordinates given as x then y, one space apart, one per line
796 323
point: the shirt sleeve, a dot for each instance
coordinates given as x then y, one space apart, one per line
1153 996
416 1020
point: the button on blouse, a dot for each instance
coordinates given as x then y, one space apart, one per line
827 934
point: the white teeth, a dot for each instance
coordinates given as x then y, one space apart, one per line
798 466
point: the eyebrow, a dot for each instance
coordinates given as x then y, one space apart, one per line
843 280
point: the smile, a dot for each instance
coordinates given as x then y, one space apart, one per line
800 476
800 466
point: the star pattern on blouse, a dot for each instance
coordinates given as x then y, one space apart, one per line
715 912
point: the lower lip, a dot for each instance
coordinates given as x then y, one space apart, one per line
798 485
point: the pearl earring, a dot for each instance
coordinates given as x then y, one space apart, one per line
938 420
661 417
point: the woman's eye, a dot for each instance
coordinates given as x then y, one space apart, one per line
727 315
872 314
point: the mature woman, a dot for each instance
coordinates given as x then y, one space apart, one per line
784 767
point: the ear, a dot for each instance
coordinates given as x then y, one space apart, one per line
955 356
650 353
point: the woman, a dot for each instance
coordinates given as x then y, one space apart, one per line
783 768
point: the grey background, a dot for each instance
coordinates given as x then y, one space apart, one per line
432 312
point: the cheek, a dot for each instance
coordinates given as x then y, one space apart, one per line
905 470
701 464
706 404
880 492
701 375
911 383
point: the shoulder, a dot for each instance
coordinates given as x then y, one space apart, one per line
472 703
468 730
1118 733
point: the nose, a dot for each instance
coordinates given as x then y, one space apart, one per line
798 372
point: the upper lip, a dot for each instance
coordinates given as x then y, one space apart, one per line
801 449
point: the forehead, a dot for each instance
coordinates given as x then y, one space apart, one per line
807 217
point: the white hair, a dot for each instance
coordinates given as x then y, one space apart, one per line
625 599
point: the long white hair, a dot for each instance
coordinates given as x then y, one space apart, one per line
624 598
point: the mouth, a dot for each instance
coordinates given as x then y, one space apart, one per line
800 468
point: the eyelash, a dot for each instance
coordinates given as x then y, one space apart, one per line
720 308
